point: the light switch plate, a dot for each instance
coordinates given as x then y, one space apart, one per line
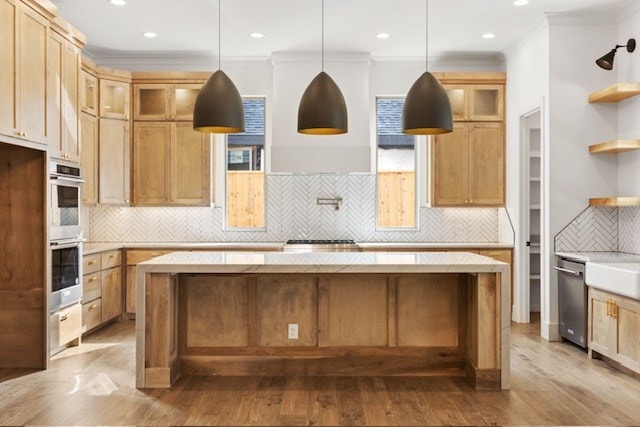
292 331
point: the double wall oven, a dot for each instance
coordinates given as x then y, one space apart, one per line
65 234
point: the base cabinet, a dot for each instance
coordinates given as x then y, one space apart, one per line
614 328
65 326
101 288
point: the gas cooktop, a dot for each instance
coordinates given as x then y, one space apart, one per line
309 245
321 242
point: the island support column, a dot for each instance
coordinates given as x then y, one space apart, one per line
160 322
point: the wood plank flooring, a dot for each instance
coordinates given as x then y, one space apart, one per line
552 384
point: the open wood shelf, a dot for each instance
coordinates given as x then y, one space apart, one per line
615 146
615 93
615 201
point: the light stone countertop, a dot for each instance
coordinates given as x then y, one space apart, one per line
322 262
600 256
435 245
96 247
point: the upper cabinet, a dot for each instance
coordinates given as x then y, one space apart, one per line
476 102
171 164
113 163
63 98
23 74
156 102
88 93
114 99
468 166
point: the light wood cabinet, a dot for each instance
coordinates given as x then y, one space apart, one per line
89 140
23 75
111 293
101 288
614 328
91 315
63 98
171 164
114 167
157 102
88 93
476 102
468 166
65 326
114 99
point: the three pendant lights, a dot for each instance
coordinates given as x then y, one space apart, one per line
322 110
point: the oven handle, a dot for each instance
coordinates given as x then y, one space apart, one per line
566 270
66 178
65 244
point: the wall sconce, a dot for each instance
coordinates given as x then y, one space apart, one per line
606 61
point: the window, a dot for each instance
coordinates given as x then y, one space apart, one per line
245 169
396 166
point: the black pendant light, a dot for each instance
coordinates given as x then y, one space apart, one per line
427 109
322 109
218 107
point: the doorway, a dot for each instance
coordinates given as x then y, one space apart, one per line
532 214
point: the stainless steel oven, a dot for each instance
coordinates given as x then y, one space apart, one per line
65 216
66 273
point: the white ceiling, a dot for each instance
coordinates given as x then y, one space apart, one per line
191 26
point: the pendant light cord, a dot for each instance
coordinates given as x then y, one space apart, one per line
426 56
219 34
322 35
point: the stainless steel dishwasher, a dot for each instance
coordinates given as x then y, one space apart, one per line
572 301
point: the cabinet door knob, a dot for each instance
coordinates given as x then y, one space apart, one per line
94 277
126 200
91 262
17 132
92 306
23 134
65 317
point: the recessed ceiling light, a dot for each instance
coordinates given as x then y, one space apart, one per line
118 2
488 36
257 35
382 35
520 2
150 35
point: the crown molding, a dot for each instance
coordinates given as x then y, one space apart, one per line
582 18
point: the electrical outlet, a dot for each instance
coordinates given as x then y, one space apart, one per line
292 331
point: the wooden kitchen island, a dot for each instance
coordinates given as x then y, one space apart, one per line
357 314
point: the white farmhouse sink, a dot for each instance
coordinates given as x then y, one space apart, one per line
622 278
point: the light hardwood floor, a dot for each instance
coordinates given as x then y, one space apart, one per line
552 383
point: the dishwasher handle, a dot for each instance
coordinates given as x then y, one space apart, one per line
566 270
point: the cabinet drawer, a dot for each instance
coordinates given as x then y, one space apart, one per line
91 263
91 286
111 259
65 326
91 314
136 257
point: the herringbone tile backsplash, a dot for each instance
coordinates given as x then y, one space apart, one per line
292 213
602 229
593 230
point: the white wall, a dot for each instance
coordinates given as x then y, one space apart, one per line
573 175
527 89
294 152
627 69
